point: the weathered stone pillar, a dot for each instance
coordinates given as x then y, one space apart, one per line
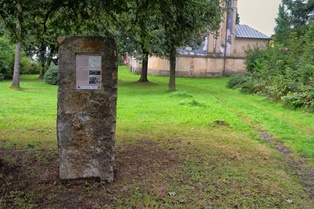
87 98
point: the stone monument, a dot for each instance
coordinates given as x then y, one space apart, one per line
87 98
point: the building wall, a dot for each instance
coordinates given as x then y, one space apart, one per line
134 64
225 41
202 66
192 66
243 44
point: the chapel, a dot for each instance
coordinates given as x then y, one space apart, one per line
219 55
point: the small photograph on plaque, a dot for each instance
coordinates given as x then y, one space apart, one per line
94 72
95 61
94 76
88 72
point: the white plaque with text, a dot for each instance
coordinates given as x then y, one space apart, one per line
88 71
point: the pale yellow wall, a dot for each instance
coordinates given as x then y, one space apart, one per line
234 66
243 44
156 63
202 66
134 64
189 66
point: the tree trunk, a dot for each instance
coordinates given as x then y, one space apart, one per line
17 59
41 70
144 68
51 53
42 60
172 80
16 72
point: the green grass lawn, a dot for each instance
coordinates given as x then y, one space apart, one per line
196 147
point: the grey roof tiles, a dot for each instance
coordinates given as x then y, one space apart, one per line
244 31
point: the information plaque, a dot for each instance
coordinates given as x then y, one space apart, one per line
88 71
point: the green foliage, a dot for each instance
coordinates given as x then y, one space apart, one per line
282 73
236 81
181 94
6 58
285 71
1 77
254 58
237 18
51 76
28 66
283 25
304 97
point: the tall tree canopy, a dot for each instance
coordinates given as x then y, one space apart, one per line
159 26
35 25
185 22
294 16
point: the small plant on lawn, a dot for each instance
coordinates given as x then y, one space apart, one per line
181 94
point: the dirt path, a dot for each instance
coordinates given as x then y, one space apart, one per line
301 165
296 163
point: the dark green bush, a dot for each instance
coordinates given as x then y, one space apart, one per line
1 77
28 66
304 97
279 74
284 71
254 58
6 58
51 76
236 81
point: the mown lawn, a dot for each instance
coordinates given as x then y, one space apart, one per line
203 145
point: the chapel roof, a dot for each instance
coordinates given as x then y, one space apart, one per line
241 31
244 31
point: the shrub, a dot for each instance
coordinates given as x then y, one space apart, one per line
51 76
254 57
236 81
304 97
6 58
1 77
249 86
28 66
7 55
181 94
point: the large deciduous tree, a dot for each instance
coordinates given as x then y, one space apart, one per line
19 18
184 21
12 17
35 25
140 29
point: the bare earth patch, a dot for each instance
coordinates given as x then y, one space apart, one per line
30 178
